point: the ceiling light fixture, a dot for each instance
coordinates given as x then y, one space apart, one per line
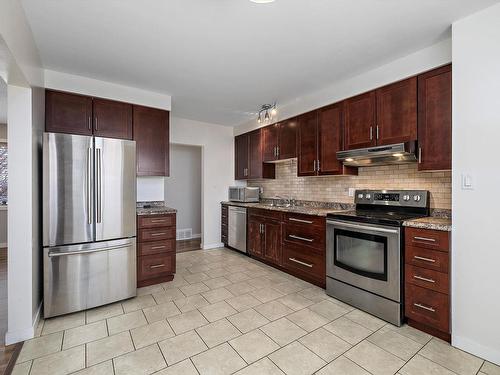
267 113
262 1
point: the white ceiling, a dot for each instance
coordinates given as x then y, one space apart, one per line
221 59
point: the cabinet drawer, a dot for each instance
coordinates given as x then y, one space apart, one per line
276 215
151 266
156 234
304 262
157 247
429 239
305 220
156 221
304 235
427 307
426 278
430 259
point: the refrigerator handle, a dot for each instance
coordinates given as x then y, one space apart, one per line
90 204
99 184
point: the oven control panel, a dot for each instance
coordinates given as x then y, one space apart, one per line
402 198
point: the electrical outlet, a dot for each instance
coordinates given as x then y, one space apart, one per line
352 191
467 182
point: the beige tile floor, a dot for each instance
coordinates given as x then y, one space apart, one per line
225 313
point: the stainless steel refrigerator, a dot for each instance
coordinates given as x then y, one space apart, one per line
89 225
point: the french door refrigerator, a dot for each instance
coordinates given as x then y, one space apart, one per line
89 226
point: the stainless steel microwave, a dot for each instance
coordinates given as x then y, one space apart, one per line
243 194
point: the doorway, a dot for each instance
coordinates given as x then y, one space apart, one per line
183 191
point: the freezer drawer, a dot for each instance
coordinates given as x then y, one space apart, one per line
78 277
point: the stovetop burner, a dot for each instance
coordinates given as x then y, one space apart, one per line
388 207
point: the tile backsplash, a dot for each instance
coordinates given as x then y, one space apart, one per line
336 188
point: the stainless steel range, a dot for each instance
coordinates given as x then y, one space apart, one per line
364 253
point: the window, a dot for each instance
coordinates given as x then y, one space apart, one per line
3 173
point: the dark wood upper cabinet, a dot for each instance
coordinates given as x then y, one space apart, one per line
68 113
434 119
112 119
151 134
330 139
359 113
307 146
397 112
270 142
287 146
255 164
241 155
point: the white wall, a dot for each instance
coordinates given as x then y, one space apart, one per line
3 209
417 62
217 168
183 187
476 130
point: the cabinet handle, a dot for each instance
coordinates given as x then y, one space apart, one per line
90 123
157 266
420 306
277 151
300 238
318 165
426 239
314 166
420 155
424 259
371 133
96 124
424 279
157 220
300 220
377 131
157 247
302 263
158 234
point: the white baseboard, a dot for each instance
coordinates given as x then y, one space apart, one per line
488 353
13 337
196 235
212 245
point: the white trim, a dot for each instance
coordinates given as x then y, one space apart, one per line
488 353
12 337
3 140
196 235
212 246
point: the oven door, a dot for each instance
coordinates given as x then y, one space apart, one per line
366 256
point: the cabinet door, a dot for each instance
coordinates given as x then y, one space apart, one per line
255 226
241 144
112 119
151 134
307 148
397 112
272 241
287 148
434 119
255 154
270 137
68 113
330 134
359 114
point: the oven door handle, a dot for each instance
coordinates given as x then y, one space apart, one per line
362 227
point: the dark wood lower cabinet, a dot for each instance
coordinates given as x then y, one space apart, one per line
427 281
156 249
279 239
224 224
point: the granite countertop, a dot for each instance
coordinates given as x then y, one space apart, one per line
306 210
154 208
431 222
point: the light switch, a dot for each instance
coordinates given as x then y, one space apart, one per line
352 191
467 183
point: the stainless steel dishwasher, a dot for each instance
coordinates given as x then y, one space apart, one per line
237 228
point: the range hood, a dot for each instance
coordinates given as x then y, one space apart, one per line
399 153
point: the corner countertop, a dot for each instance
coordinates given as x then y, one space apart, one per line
154 208
305 210
431 222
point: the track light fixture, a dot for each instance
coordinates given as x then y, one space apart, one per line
267 113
